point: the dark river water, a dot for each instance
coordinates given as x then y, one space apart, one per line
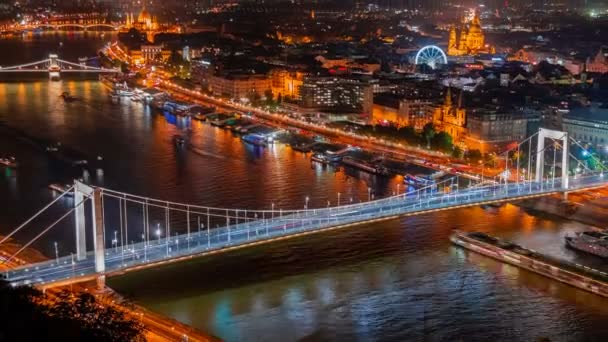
399 280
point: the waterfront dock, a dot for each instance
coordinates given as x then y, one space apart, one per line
579 276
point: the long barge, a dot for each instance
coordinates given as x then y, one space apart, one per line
579 276
367 167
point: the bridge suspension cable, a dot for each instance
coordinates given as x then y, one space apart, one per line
45 230
70 189
17 67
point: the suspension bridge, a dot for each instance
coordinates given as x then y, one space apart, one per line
55 66
132 232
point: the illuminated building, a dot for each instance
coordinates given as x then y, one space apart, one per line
451 118
401 112
469 40
588 124
332 93
286 83
599 64
490 129
239 86
146 54
145 23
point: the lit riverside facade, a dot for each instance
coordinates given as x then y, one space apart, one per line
336 93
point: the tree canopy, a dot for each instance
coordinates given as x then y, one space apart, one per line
27 315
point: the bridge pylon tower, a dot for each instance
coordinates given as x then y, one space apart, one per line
544 133
82 191
54 67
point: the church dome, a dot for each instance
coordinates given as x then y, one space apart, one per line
144 16
474 29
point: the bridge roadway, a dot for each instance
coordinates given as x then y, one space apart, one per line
164 250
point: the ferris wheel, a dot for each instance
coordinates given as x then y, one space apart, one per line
432 56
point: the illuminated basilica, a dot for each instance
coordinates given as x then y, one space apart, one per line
470 39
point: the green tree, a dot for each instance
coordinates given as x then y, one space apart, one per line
254 97
124 68
474 155
97 322
28 316
268 96
490 159
457 152
428 132
410 135
442 141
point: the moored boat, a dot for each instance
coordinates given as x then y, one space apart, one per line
591 242
365 166
319 158
254 139
582 277
301 148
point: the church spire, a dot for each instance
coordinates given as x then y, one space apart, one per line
448 97
476 20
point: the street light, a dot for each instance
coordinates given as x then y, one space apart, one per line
56 253
306 202
338 199
369 194
115 241
158 232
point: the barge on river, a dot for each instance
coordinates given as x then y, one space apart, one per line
576 275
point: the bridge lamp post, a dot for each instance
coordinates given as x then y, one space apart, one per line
306 202
338 199
56 253
158 232
115 241
369 194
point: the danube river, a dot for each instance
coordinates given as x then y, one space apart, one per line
395 281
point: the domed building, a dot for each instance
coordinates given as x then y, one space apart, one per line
469 40
145 21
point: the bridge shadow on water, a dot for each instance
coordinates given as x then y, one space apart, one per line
267 262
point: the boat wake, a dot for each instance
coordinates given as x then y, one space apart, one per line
204 153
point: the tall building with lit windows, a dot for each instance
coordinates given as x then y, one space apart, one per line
327 93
